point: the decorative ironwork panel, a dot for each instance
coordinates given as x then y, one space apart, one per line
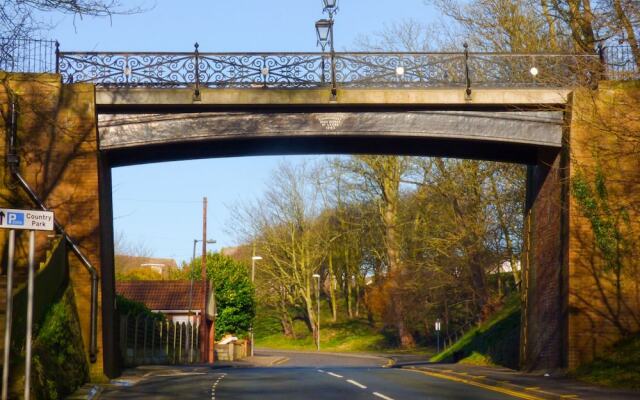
399 70
248 70
530 70
128 69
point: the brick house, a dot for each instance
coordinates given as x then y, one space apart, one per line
171 298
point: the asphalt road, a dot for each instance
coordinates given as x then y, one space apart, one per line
305 376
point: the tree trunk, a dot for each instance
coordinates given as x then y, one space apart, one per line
332 291
348 281
390 188
309 308
357 305
553 42
626 24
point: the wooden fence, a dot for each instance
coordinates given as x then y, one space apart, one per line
145 340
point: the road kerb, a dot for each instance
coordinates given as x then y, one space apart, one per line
279 361
532 393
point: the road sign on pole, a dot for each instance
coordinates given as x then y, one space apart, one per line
26 219
31 220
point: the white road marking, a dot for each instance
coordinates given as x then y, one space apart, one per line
213 386
336 375
382 396
358 384
321 371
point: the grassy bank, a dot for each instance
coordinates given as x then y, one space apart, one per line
495 342
619 367
354 335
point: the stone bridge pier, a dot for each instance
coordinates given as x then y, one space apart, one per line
71 135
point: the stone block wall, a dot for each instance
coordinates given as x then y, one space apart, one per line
58 150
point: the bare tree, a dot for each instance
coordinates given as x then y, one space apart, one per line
21 19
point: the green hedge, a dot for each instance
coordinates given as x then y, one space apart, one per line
59 360
49 284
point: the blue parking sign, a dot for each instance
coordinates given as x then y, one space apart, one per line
15 218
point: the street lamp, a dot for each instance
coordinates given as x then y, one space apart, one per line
317 276
330 6
253 267
253 279
438 326
324 30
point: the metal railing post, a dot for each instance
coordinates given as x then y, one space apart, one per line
466 70
57 57
196 93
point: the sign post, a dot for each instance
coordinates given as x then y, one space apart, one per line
438 326
9 315
32 221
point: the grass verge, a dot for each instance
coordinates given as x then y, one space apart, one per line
341 337
495 342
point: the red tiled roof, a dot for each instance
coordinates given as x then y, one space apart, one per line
162 295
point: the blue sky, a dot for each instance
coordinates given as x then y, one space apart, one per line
143 195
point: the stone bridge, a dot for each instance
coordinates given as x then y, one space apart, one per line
73 127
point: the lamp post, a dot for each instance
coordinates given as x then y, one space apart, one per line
438 326
324 30
317 277
253 279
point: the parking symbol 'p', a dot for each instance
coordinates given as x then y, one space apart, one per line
14 218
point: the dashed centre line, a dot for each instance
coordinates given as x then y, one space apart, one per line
213 386
358 384
382 396
355 383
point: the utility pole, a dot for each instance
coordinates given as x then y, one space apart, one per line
204 347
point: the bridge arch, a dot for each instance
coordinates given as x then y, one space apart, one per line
92 130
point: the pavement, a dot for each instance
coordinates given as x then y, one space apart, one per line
541 385
290 375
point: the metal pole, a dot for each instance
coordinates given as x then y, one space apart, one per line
438 336
193 259
253 268
334 90
466 70
27 369
9 315
204 343
318 301
253 279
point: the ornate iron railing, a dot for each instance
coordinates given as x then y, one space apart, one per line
307 70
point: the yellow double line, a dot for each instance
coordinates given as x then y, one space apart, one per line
498 389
